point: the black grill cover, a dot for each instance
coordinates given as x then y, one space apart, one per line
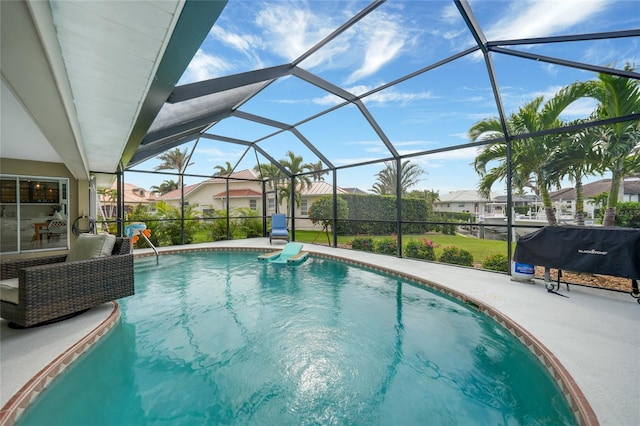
598 250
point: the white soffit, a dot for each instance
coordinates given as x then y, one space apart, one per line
111 50
19 133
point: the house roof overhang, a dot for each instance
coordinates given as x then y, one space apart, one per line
87 102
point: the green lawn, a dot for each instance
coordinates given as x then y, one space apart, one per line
480 249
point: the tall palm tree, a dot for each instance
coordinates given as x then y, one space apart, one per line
273 174
165 186
617 97
174 159
295 165
225 170
575 156
528 155
387 178
317 172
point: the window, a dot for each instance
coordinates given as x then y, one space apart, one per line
253 204
460 204
271 203
303 207
28 205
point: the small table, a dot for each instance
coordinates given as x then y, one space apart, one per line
37 234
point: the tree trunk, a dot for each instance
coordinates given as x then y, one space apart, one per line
546 203
609 216
612 200
579 202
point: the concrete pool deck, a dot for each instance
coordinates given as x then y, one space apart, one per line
592 333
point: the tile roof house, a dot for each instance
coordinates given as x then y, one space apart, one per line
245 191
133 196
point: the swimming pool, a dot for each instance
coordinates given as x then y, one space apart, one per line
217 337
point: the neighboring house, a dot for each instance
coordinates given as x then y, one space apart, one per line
245 191
133 196
565 198
468 201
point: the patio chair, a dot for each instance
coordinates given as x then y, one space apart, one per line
56 228
46 289
279 229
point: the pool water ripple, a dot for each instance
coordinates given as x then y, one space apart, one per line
223 339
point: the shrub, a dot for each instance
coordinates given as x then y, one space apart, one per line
250 225
217 228
497 262
628 214
362 243
321 211
449 229
386 245
420 249
456 256
167 229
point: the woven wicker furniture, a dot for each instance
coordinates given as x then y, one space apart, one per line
49 287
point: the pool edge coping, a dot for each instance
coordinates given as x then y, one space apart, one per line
20 401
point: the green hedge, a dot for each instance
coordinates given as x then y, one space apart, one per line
376 215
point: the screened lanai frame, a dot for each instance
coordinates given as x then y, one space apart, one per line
193 110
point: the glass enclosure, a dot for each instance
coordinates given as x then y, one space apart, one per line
33 213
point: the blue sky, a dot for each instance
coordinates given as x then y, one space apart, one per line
431 111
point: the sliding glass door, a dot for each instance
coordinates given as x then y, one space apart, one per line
33 213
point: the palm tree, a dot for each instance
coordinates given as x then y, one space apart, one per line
387 178
528 155
225 170
317 171
273 174
295 165
174 160
617 97
165 186
575 156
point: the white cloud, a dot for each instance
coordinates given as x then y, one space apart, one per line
214 154
383 39
450 14
243 43
536 18
386 97
290 29
458 154
204 66
581 108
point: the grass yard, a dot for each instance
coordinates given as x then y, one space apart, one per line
478 248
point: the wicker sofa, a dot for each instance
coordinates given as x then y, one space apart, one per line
50 288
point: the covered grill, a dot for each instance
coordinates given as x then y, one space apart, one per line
599 250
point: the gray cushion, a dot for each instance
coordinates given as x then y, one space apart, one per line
9 290
89 246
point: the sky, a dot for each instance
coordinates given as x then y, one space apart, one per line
433 110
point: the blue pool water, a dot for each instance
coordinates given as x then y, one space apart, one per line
219 338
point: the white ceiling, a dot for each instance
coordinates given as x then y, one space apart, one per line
17 125
75 75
